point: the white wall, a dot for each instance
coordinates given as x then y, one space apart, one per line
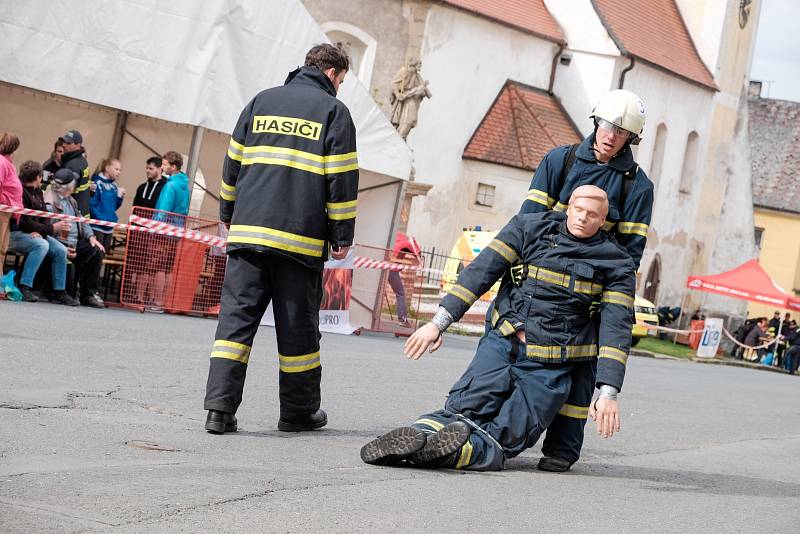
705 21
591 73
467 60
684 107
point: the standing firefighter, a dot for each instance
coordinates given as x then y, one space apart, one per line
289 188
603 159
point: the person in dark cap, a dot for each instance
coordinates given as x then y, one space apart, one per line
74 159
83 248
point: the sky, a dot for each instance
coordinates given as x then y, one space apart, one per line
777 53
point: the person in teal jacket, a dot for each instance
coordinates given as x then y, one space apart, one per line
174 196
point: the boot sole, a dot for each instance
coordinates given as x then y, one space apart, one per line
443 443
551 467
283 426
220 428
392 447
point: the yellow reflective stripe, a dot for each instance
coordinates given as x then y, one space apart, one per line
541 197
553 352
269 237
465 456
339 211
560 207
298 364
230 350
546 275
231 344
299 159
225 196
463 293
616 297
544 352
506 328
589 288
340 157
576 412
226 187
581 351
340 205
235 150
614 354
436 425
504 250
608 225
632 228
82 187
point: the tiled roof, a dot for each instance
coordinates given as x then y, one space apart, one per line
774 134
654 31
530 16
522 125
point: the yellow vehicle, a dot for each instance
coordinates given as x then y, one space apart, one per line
645 313
467 247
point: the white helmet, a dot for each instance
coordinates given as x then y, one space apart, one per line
623 109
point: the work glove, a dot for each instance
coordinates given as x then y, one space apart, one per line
518 274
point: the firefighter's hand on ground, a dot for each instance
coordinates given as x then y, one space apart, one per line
606 412
517 274
339 253
426 336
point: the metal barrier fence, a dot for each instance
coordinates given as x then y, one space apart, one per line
441 272
164 273
391 297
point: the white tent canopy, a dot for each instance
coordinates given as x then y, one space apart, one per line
195 62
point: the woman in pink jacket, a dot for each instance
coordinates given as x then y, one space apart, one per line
10 189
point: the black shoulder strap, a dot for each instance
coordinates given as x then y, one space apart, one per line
628 178
568 163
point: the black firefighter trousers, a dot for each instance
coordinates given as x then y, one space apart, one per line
252 280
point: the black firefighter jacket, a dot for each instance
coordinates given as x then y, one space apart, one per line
76 161
565 275
290 178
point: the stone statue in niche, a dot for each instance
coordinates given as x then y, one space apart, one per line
408 90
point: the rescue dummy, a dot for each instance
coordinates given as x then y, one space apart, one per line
546 351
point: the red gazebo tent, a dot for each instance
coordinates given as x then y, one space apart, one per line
748 282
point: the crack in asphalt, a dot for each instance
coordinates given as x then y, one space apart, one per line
265 493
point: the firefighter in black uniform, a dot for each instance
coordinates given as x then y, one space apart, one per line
289 188
526 372
74 159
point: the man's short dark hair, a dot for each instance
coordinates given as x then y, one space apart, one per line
325 56
154 161
174 158
29 171
59 142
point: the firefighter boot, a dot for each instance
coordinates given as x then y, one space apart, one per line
220 422
553 464
442 448
304 422
391 448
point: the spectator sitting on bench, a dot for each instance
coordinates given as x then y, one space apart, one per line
34 237
83 248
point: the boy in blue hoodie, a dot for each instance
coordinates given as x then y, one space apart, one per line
106 198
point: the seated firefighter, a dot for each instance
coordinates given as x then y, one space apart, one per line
538 366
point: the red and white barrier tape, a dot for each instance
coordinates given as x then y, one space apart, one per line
670 330
142 224
765 345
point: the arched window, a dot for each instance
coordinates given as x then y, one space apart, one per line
689 170
359 45
657 163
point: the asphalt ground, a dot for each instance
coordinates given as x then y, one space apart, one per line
101 429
